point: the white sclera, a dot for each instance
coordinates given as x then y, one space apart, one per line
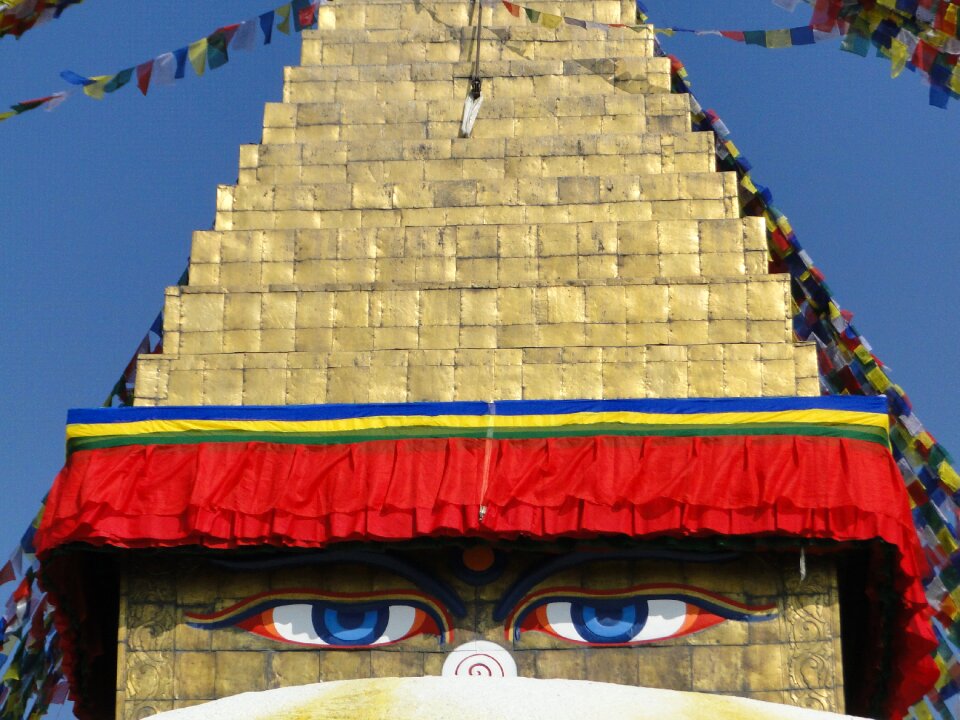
664 619
294 622
401 620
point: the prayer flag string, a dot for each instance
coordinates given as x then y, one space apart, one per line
31 679
47 103
207 52
18 16
924 39
210 52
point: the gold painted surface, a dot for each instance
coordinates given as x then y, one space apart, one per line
792 658
582 213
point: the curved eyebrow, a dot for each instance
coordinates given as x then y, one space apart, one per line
429 584
541 571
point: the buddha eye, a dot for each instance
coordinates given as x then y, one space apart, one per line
334 620
631 616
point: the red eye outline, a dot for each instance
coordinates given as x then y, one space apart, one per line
626 617
312 618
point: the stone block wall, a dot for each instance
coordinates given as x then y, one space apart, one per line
579 245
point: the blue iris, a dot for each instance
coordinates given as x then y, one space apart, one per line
349 626
614 621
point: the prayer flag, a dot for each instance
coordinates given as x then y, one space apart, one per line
266 25
118 80
164 68
283 12
144 71
181 56
304 14
198 55
75 79
246 36
550 21
217 50
96 88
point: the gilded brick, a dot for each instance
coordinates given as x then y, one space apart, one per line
688 302
606 304
646 303
194 675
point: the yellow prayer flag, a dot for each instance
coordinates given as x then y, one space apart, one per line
198 55
283 12
778 39
949 476
551 22
7 115
898 57
878 378
946 540
863 354
97 89
955 79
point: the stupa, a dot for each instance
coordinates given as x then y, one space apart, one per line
520 398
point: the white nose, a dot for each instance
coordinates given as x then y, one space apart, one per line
479 658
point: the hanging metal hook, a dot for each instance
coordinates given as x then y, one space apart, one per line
471 106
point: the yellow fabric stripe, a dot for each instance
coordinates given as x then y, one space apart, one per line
822 417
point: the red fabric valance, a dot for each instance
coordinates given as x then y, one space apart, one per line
229 495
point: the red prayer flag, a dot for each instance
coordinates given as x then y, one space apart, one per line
228 31
825 14
144 71
924 56
511 8
305 16
22 591
60 692
7 574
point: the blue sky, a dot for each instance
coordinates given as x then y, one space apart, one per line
98 199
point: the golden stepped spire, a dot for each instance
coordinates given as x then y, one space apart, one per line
580 244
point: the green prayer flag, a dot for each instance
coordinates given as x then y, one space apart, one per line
217 50
118 80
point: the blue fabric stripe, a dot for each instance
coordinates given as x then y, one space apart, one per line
876 404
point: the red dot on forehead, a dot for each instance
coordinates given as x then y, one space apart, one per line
478 558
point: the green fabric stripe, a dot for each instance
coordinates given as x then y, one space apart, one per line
854 432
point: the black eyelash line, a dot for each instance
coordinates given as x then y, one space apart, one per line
430 585
543 571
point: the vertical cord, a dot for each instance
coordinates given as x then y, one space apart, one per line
475 77
487 456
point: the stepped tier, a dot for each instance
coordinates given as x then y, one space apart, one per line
580 244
